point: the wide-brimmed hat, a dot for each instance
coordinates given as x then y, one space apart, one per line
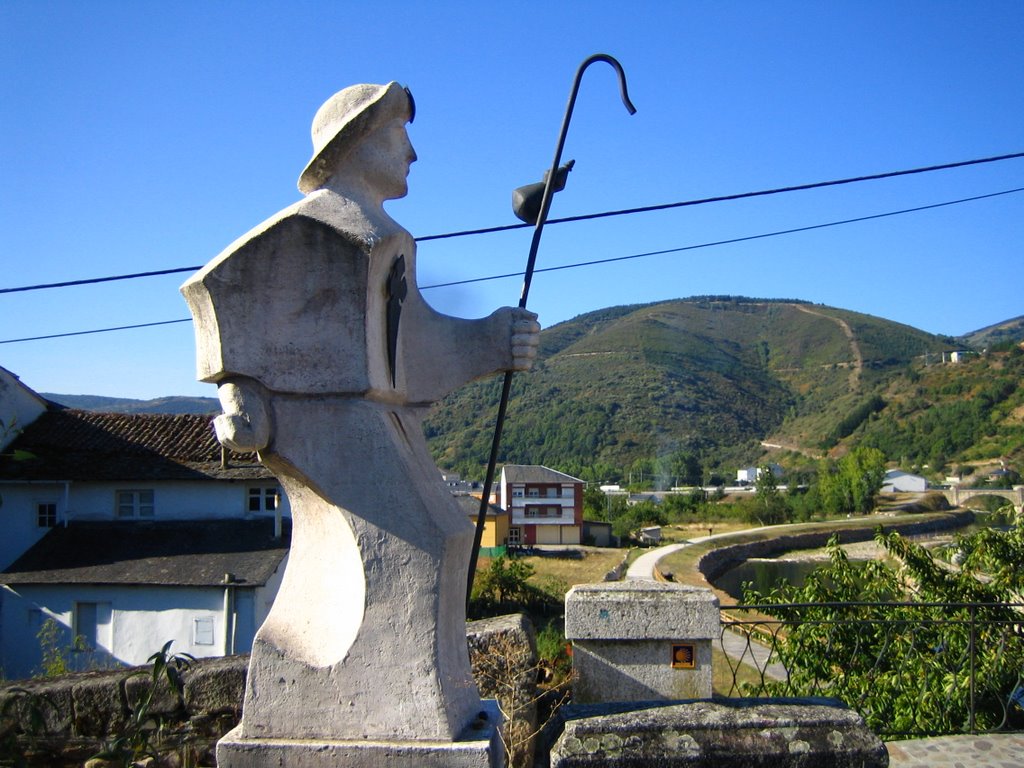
346 117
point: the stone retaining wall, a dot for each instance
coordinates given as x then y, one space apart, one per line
78 711
716 562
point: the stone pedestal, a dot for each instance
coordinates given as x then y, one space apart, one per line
478 747
641 641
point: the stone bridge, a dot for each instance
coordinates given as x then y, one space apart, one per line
957 496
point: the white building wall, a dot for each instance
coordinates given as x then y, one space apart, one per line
141 620
202 500
19 516
179 500
19 407
897 481
252 612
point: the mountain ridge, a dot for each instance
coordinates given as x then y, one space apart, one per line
713 377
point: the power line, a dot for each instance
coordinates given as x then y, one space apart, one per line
96 330
580 217
92 280
596 262
739 196
730 241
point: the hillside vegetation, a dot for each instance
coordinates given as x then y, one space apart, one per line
689 390
708 377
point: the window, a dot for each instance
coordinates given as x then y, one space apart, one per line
533 493
264 499
135 503
46 514
202 631
514 535
92 626
554 493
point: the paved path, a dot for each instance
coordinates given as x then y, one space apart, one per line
1005 750
642 569
735 644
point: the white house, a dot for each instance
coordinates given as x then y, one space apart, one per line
123 589
898 481
132 530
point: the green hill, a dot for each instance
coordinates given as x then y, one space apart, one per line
173 404
1000 333
710 377
687 387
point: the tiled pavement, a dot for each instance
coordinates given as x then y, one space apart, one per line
1005 750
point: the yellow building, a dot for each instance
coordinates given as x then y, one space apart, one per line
495 524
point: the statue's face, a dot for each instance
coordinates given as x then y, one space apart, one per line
385 156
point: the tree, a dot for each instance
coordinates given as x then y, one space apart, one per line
851 484
638 516
906 666
504 582
771 507
595 503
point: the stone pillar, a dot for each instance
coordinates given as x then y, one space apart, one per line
641 641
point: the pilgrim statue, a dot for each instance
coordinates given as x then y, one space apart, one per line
326 358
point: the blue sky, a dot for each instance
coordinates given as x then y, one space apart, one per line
138 136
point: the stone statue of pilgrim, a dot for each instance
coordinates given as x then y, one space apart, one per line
326 357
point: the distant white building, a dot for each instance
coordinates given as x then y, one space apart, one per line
453 482
650 535
750 475
898 481
956 356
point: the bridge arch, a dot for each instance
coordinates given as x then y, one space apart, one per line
957 496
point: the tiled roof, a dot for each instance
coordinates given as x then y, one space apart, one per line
69 444
471 506
534 473
169 553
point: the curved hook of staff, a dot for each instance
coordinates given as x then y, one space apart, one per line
549 192
549 188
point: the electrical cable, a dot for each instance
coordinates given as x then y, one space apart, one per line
96 330
738 196
580 217
730 241
610 260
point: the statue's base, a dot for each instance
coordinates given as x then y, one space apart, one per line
480 747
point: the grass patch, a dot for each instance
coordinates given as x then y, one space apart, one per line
727 682
566 569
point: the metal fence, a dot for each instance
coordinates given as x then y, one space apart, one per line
911 669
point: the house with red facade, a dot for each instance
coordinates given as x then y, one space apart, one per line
545 506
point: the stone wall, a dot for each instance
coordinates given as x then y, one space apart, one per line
718 561
77 712
753 733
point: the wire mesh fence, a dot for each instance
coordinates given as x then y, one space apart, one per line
911 669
